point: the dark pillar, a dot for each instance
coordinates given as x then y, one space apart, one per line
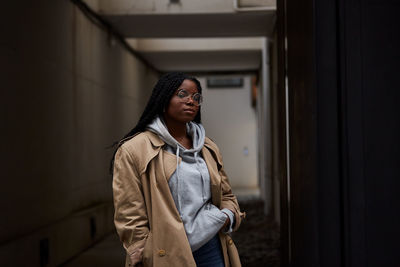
341 61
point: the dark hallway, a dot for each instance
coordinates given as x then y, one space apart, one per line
301 97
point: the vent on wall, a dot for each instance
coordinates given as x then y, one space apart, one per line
234 82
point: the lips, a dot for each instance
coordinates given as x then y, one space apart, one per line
189 110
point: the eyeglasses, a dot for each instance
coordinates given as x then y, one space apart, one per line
184 95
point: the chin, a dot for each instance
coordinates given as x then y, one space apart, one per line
187 118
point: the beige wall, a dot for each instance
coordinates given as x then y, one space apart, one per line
67 93
231 121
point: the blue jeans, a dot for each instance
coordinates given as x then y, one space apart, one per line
210 254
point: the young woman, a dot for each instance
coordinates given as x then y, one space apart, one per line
173 202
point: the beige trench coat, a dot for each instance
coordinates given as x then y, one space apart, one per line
146 217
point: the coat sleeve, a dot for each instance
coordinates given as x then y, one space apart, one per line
130 216
228 200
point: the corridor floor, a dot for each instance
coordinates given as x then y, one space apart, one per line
258 238
257 241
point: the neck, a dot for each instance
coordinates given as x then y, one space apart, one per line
175 128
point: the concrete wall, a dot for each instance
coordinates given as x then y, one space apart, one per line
231 121
68 91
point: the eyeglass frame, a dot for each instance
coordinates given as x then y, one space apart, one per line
186 98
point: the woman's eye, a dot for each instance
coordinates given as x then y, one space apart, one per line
198 98
182 94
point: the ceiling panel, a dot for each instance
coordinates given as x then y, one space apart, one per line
246 24
205 60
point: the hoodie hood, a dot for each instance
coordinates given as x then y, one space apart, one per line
196 131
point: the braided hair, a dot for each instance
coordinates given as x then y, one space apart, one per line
158 102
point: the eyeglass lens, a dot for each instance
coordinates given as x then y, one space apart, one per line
197 98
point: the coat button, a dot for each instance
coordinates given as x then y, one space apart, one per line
230 242
161 253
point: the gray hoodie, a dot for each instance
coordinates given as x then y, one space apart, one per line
190 186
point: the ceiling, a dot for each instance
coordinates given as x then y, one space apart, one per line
205 61
247 24
200 27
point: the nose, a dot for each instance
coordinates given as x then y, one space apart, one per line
190 100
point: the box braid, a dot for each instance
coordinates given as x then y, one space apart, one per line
158 102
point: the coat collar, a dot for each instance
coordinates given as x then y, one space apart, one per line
209 148
155 140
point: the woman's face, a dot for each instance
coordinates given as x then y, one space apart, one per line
183 109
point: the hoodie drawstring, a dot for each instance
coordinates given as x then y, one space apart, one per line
177 179
202 178
203 193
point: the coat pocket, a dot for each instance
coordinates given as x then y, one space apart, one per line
147 258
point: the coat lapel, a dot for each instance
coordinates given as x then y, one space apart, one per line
169 161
